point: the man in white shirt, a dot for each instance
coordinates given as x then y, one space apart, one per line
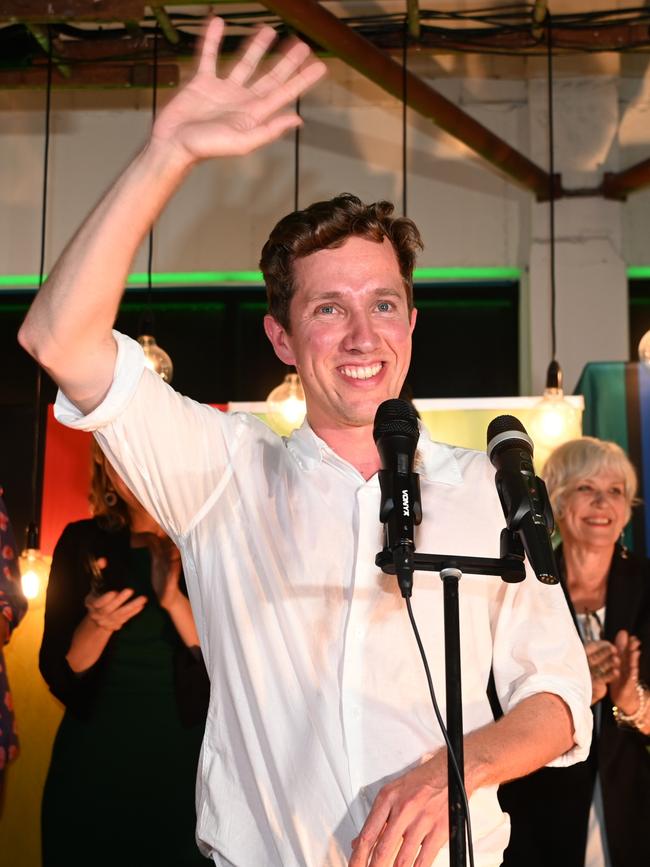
320 747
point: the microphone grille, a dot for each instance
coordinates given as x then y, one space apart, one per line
509 430
503 423
395 416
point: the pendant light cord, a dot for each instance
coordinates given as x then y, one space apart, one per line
404 117
296 161
34 527
551 168
154 108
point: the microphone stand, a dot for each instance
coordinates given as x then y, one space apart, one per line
510 566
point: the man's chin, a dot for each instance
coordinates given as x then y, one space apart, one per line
363 414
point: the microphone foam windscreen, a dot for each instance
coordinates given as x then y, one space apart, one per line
396 416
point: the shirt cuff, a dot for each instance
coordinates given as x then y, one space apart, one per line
129 366
579 708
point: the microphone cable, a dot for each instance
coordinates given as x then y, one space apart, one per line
443 729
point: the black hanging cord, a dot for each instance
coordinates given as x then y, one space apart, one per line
147 324
404 117
551 169
33 531
296 162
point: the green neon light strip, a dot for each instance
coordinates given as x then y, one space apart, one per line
452 275
211 278
202 278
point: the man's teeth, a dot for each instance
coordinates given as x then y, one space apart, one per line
362 372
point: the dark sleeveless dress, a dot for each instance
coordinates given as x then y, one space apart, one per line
120 788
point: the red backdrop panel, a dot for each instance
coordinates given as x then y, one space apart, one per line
66 479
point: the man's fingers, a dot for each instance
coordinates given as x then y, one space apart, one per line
289 91
294 55
264 133
250 57
431 845
210 47
372 828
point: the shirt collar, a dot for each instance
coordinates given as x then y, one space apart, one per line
433 461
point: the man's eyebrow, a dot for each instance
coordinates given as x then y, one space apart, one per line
335 294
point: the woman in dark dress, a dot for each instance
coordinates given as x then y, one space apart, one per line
121 651
595 813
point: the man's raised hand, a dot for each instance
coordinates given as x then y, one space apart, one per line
239 111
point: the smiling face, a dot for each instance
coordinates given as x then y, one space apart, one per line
351 328
595 511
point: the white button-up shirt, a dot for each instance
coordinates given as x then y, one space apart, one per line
318 694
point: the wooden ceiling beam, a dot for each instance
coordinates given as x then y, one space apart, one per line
89 76
316 22
51 11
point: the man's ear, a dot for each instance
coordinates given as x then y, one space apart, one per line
280 340
414 316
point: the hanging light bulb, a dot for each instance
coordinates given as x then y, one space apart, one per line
156 358
555 420
34 567
644 349
286 406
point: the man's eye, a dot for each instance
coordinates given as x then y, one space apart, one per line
326 308
384 306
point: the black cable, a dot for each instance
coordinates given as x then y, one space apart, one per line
443 729
296 162
34 528
551 170
404 119
154 108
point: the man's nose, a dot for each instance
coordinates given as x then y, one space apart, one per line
361 334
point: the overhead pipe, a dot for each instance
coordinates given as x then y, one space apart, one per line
319 25
540 11
413 16
170 33
42 36
617 185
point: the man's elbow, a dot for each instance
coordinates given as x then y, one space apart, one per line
31 340
41 344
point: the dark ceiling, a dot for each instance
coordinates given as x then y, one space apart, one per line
125 44
110 43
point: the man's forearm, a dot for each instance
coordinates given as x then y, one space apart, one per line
536 731
68 329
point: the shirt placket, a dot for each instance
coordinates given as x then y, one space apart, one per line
363 591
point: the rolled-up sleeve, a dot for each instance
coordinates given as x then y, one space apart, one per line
537 649
174 453
129 366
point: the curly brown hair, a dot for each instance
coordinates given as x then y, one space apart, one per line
329 224
105 503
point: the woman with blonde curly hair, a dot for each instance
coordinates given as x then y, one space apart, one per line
596 813
120 650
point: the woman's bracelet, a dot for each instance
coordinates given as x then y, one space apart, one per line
636 719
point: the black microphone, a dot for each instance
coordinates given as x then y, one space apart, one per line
396 434
523 494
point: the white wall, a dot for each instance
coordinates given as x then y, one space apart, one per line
352 140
